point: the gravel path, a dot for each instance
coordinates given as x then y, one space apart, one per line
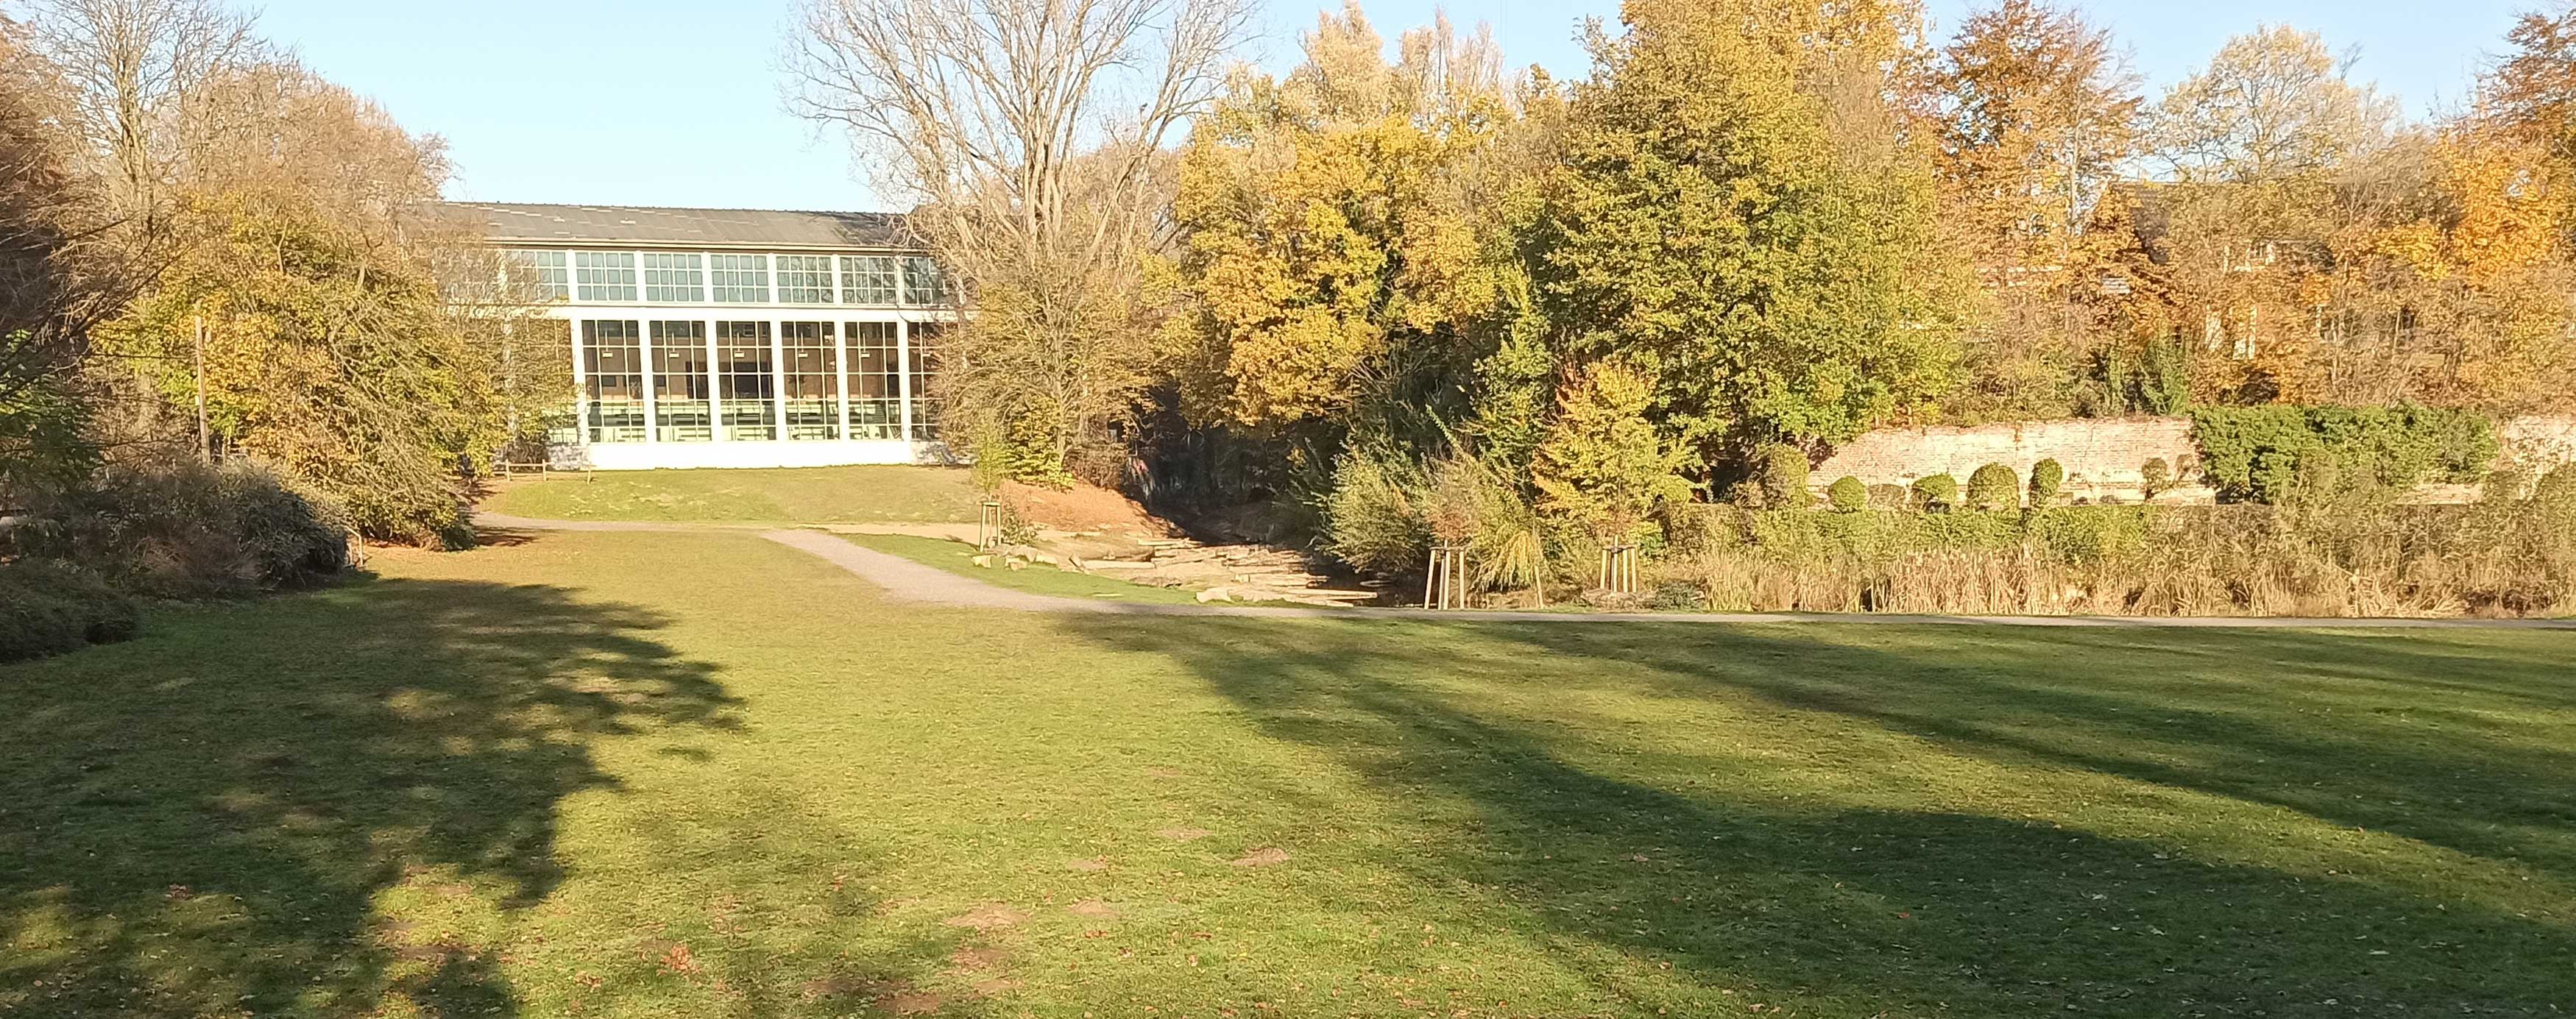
902 578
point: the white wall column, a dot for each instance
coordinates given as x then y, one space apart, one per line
715 394
777 369
903 366
580 387
644 345
840 376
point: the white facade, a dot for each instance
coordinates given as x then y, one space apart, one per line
737 354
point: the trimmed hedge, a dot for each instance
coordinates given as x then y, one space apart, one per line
2278 454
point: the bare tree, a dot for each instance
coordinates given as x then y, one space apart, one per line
137 72
1030 134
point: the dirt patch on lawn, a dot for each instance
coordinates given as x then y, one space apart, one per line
978 958
1094 909
1184 834
1262 857
989 916
910 1003
1093 864
1084 508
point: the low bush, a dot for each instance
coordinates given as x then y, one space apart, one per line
71 566
1938 492
2503 556
1780 473
1847 495
47 609
1993 487
187 531
1378 516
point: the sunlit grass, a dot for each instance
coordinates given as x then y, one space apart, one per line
703 774
784 495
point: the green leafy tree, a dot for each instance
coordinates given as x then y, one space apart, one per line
1333 248
1603 467
1741 214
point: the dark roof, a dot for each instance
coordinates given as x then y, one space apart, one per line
648 226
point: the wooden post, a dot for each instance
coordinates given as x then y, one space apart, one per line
197 356
988 527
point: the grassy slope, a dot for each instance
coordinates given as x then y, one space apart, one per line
547 780
959 558
803 495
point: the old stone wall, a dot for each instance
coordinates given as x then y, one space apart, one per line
2102 456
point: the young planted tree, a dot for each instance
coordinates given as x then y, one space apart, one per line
1603 467
1030 136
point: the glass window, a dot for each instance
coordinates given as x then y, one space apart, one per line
876 381
807 380
925 370
743 383
541 273
673 278
740 279
804 279
605 275
923 284
680 406
867 279
613 378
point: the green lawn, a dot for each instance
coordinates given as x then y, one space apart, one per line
705 775
959 558
853 495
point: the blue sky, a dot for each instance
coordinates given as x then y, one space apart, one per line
665 102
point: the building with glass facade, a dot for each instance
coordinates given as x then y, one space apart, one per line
731 337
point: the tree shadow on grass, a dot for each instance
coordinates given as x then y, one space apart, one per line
1671 846
2456 740
200 821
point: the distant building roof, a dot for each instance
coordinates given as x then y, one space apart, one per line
648 226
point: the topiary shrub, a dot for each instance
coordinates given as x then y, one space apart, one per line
2153 478
1847 495
1994 487
1890 497
1938 492
1780 471
2047 478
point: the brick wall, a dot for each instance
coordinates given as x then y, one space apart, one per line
2102 456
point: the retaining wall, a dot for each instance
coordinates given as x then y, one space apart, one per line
2102 456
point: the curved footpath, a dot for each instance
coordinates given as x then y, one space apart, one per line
911 581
